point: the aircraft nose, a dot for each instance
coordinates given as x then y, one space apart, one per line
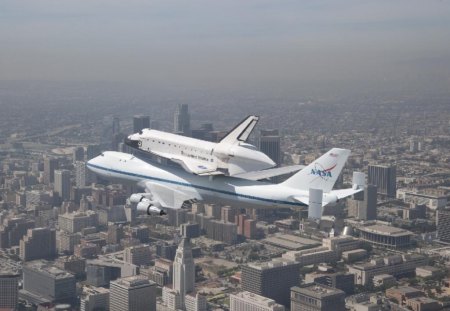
131 141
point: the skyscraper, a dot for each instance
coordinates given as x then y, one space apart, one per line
9 289
384 177
140 122
271 279
62 184
78 154
443 225
184 270
116 125
270 144
134 293
81 174
363 205
92 151
182 120
39 243
50 165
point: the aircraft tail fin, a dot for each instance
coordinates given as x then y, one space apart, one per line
241 132
320 174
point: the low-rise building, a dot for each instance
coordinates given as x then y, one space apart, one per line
317 297
246 301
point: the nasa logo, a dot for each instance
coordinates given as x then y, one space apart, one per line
321 173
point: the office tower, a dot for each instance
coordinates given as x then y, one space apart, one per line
190 230
166 251
42 280
246 301
78 154
250 229
443 225
81 174
270 144
134 293
141 233
317 297
115 234
182 120
39 243
228 214
13 230
9 289
94 299
140 122
75 222
271 279
138 255
50 165
184 270
92 151
62 184
115 125
384 177
363 205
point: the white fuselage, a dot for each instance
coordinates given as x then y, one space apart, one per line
234 158
218 189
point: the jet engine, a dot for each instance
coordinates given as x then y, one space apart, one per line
144 204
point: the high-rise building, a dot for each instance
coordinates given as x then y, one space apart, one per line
62 184
140 122
42 279
270 144
115 234
134 293
137 255
228 214
13 230
182 120
75 222
317 297
92 151
443 225
271 279
39 243
363 205
384 177
190 230
184 270
115 125
78 154
246 301
50 165
94 299
82 174
9 289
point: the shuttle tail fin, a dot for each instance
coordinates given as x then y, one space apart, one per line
240 132
320 174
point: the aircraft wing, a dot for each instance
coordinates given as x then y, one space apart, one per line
272 172
190 165
171 197
343 193
331 197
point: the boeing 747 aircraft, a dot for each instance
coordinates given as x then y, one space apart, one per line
169 187
232 156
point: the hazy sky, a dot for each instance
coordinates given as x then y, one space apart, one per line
227 42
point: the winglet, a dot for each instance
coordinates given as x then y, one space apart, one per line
242 131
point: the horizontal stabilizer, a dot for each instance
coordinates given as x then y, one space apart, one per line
272 172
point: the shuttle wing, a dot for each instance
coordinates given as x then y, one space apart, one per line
272 172
169 196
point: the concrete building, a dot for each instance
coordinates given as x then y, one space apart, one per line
82 174
246 301
50 165
66 242
443 225
396 265
13 230
184 270
271 279
363 205
137 255
221 231
77 154
62 184
43 281
403 293
385 178
94 299
134 293
312 256
386 236
190 230
317 297
342 281
39 243
182 120
75 222
9 289
140 122
270 144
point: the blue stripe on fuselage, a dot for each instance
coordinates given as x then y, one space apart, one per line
196 186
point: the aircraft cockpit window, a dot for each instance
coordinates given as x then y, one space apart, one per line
102 154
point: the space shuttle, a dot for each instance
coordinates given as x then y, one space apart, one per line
232 156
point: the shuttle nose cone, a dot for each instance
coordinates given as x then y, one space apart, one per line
132 141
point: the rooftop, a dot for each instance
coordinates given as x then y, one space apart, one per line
386 230
317 290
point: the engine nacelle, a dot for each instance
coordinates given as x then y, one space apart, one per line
138 197
149 207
